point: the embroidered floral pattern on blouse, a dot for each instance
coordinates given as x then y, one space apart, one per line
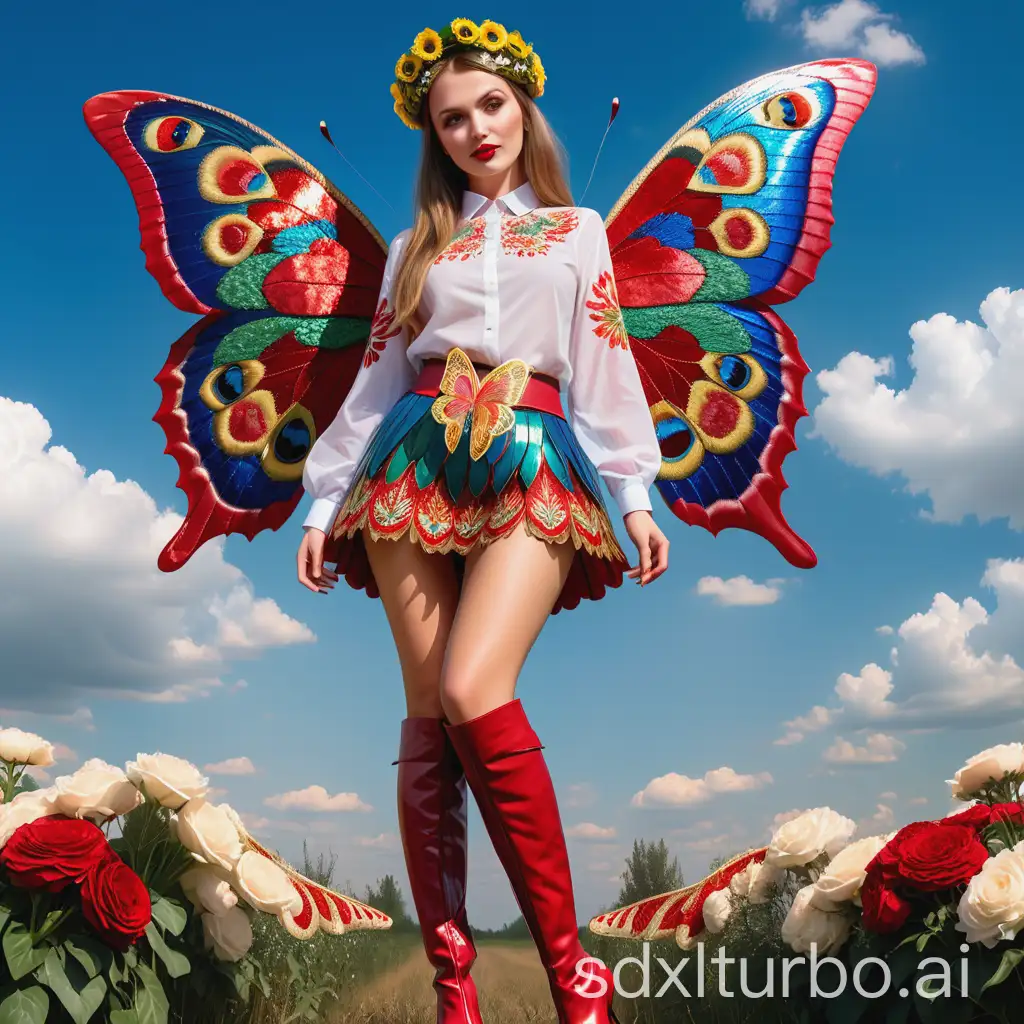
467 242
607 312
532 233
381 329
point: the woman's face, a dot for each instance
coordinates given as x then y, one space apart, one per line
477 120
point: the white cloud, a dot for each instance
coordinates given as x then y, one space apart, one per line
580 794
588 830
884 630
84 609
814 721
738 590
881 821
954 669
382 841
956 432
316 798
861 28
887 795
232 766
763 10
674 790
878 749
917 801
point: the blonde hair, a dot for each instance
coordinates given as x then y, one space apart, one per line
440 185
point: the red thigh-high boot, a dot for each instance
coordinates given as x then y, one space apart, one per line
432 819
506 771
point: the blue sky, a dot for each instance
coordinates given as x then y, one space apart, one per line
905 484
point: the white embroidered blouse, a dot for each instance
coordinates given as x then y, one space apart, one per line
518 281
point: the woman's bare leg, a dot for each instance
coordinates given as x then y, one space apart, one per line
509 589
420 592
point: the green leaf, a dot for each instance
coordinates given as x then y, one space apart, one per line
91 955
52 975
22 957
124 1017
5 914
169 914
1011 958
92 996
82 1003
150 1000
26 1006
177 964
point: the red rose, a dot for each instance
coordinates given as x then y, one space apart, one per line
50 853
940 856
981 815
884 909
115 901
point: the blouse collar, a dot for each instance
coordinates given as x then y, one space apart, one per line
518 201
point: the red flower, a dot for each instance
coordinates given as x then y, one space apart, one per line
926 856
981 815
115 901
50 853
884 909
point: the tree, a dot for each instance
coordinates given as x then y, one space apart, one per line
649 872
387 896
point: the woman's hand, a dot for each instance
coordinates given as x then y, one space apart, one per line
312 573
651 544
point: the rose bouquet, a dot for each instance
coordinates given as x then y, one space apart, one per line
118 885
923 924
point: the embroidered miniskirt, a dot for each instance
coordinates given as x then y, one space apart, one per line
461 461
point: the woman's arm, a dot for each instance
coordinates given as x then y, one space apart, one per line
382 379
606 399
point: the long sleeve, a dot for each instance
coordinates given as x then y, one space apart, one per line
386 374
605 396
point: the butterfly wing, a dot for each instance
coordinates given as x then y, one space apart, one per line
317 907
678 914
730 218
237 226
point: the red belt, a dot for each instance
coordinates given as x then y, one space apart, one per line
541 391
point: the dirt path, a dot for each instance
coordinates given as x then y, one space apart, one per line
511 983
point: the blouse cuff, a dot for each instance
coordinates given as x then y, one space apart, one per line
322 514
632 496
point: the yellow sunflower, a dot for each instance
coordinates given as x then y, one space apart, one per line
518 47
466 31
493 36
408 67
404 115
428 45
539 74
396 93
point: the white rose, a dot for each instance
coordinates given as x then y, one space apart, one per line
842 878
745 883
25 807
229 935
264 885
208 831
208 889
96 791
808 835
716 910
20 747
169 780
807 924
989 765
992 906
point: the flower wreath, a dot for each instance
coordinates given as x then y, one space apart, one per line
506 53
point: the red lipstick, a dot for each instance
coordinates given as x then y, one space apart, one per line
485 152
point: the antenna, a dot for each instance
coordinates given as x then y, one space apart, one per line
325 132
615 110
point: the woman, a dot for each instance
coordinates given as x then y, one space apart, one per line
455 498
